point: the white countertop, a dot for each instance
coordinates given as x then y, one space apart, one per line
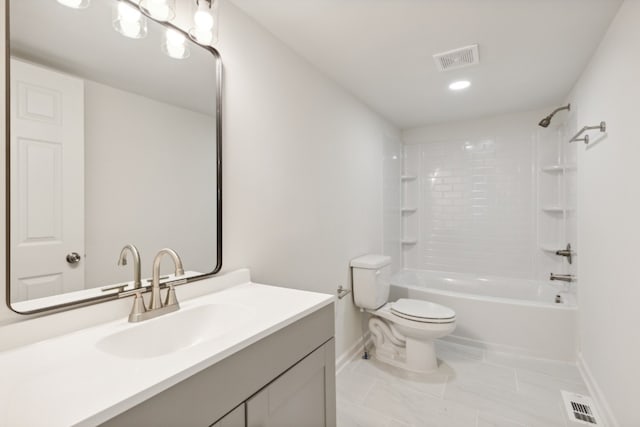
67 380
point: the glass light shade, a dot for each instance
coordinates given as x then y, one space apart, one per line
175 44
129 21
75 4
205 22
160 10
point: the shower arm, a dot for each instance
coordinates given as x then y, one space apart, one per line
566 107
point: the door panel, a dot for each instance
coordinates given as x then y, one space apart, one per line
47 181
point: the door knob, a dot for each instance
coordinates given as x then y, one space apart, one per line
73 258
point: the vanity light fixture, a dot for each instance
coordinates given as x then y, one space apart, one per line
129 21
204 28
175 44
160 10
75 4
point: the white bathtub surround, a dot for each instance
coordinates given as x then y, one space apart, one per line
472 387
476 196
392 184
511 315
89 376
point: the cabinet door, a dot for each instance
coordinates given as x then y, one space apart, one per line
302 396
234 418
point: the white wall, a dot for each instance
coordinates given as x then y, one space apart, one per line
609 210
130 143
303 170
476 195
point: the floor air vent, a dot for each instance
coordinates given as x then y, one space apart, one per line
457 58
580 408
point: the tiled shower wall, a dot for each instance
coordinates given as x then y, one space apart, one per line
473 206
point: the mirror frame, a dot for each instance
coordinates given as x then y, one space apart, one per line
112 296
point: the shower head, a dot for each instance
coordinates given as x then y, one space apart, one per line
547 120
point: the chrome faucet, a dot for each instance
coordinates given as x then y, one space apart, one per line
563 277
137 282
156 308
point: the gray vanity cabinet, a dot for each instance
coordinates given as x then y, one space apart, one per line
235 418
285 379
298 397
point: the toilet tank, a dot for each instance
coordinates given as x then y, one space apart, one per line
371 280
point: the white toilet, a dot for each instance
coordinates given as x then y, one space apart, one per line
403 331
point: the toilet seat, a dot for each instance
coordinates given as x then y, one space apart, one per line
422 311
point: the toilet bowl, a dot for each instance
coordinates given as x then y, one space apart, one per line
404 337
403 331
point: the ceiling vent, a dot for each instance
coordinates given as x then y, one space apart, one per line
457 58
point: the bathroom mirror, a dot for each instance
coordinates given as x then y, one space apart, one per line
112 140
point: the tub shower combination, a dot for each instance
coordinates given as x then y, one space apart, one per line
528 317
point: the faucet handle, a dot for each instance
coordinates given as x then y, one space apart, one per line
138 307
171 297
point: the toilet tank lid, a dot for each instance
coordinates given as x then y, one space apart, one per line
372 262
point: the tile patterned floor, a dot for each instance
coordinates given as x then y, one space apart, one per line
472 388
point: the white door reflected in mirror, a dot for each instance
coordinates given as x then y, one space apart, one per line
47 182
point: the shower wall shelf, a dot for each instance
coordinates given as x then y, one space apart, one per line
558 168
409 241
407 209
408 177
602 127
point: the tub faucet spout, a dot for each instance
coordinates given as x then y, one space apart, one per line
563 277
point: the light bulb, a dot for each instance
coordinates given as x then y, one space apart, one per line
175 44
128 13
202 36
130 28
161 10
129 21
204 22
74 4
175 37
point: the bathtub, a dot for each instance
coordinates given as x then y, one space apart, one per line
528 317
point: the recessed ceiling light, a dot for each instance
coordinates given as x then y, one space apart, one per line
460 84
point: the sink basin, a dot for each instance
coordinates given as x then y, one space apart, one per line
175 331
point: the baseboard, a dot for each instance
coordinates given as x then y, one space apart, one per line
352 353
596 393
